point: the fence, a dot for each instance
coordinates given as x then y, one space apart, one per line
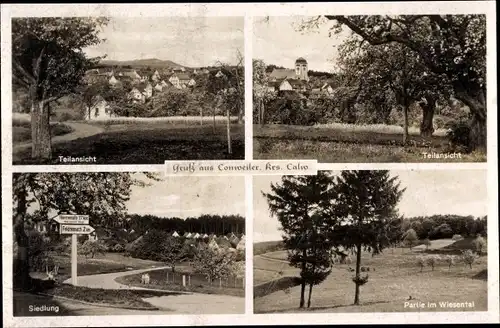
194 279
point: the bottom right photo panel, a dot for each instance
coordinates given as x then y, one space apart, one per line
371 241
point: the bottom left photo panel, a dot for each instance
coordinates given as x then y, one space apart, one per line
108 243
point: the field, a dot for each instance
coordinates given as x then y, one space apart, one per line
21 130
393 278
349 143
165 279
147 142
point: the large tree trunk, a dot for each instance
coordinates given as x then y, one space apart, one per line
229 148
428 109
21 267
303 283
40 131
358 270
477 106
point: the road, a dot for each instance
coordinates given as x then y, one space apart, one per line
185 303
80 130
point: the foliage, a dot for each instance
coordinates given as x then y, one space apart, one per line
213 264
410 238
432 260
450 260
479 244
421 261
450 46
38 251
459 135
441 232
469 257
457 237
427 243
92 248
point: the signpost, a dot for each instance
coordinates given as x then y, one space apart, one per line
74 225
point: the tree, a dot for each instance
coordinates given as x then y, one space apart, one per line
172 251
300 204
427 243
469 257
261 93
91 94
451 46
212 263
48 62
479 244
410 238
365 203
92 248
101 195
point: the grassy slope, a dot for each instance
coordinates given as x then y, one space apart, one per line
267 246
22 132
143 144
395 279
346 145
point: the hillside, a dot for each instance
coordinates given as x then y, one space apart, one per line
267 246
151 62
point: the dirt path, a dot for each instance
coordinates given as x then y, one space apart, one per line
80 130
186 303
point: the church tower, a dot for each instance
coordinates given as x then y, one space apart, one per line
301 69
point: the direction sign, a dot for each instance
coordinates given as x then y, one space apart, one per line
76 229
72 219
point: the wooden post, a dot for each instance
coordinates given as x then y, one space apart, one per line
189 280
229 150
74 260
201 115
167 277
220 282
183 280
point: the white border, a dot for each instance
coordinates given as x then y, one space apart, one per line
248 10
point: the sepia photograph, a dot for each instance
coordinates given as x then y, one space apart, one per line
103 243
109 90
371 241
369 89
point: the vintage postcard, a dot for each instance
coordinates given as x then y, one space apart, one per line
199 164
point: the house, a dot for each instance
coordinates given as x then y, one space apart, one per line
113 80
219 74
137 96
234 241
241 244
196 236
205 236
327 88
280 74
298 85
181 80
213 244
188 235
285 85
223 242
101 110
179 70
156 76
205 71
175 234
132 74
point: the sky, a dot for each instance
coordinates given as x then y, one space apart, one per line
277 41
189 41
428 192
189 197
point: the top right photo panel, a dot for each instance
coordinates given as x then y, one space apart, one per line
370 89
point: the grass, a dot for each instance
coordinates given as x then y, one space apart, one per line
21 130
118 297
149 144
267 246
376 128
163 279
397 276
340 144
174 120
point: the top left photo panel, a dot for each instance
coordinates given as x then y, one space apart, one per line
121 90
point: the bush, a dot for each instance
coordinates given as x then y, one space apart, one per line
457 237
427 243
37 251
421 262
450 260
432 261
459 135
479 244
92 248
118 248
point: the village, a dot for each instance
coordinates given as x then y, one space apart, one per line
140 84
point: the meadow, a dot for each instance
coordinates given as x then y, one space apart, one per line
148 141
350 143
394 278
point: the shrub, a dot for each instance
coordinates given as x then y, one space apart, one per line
469 257
479 244
118 248
37 251
410 238
92 248
457 237
459 135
